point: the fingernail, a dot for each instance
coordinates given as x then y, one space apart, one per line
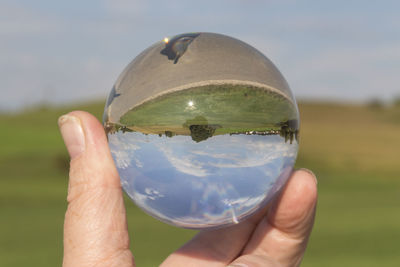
237 265
72 133
311 173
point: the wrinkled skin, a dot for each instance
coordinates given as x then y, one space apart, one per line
96 233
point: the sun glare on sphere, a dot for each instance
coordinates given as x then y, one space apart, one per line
190 103
166 40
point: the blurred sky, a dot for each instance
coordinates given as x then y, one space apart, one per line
67 51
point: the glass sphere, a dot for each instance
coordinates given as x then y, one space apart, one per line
203 129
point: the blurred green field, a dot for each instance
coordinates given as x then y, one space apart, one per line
353 149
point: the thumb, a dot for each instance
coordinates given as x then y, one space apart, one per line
95 228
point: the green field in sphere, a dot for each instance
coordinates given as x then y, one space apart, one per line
225 108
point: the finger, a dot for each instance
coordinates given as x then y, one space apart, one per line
95 228
252 260
281 237
215 247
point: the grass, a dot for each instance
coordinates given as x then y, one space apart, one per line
232 108
354 152
353 149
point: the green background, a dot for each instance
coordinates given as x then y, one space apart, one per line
353 149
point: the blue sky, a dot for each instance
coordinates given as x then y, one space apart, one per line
69 51
177 178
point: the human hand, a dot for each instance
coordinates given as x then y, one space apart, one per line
95 228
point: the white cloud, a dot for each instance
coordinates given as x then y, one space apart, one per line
253 153
142 201
244 202
184 163
216 155
242 152
122 150
236 210
152 193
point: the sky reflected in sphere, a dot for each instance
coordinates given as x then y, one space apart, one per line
203 130
218 181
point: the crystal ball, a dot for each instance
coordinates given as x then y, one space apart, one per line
203 129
